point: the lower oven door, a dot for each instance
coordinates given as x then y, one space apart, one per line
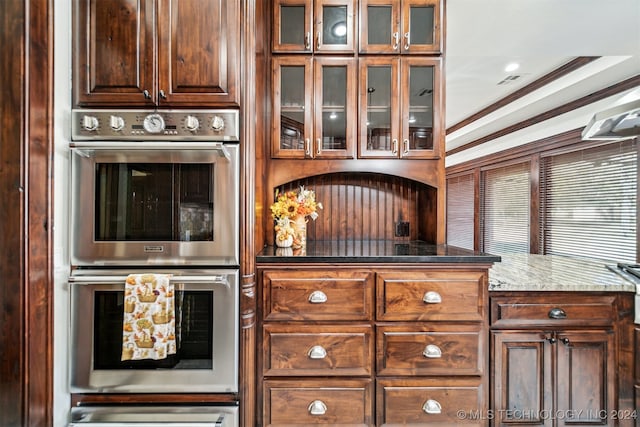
206 335
154 416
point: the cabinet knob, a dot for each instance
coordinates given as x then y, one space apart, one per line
432 351
317 352
396 40
432 406
407 41
432 297
162 94
317 407
318 146
307 147
317 297
146 94
557 313
394 146
307 41
405 147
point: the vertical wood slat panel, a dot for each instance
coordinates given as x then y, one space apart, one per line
366 207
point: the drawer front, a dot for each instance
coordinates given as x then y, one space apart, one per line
305 403
317 350
318 295
567 310
437 295
428 350
430 402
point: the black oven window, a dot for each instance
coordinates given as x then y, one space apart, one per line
194 332
154 202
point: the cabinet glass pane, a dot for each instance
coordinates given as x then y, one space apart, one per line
420 108
421 22
379 24
292 25
379 108
334 100
292 107
334 25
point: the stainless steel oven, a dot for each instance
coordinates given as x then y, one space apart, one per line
151 187
206 329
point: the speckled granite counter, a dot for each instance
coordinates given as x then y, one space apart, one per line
373 251
524 272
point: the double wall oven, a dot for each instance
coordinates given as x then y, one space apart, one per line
155 192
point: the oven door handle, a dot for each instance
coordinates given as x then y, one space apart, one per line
87 148
205 279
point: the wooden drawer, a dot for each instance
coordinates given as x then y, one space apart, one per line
552 310
330 402
444 402
318 295
431 295
431 350
317 350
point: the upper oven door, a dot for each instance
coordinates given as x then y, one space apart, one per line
162 203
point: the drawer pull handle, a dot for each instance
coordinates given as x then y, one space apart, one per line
557 313
317 407
317 297
432 407
432 297
317 352
432 351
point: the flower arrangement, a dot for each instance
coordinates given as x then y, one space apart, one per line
292 204
290 211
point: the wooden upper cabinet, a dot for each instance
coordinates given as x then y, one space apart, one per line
306 26
407 26
156 52
314 107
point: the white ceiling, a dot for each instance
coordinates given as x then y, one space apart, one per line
483 36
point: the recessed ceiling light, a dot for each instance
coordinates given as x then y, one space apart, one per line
511 67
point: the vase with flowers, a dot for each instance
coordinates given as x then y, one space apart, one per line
290 211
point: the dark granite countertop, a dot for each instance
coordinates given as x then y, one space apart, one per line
373 251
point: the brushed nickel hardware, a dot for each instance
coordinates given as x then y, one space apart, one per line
317 297
432 406
317 352
432 297
432 351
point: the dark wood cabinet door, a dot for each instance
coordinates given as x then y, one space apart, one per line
114 49
586 378
522 378
198 52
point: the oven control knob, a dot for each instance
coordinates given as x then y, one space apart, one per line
217 123
90 123
153 123
191 123
116 122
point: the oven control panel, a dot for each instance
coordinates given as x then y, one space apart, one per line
155 125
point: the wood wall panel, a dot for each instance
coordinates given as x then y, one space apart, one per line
361 206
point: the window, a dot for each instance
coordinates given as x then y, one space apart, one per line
588 202
505 209
460 197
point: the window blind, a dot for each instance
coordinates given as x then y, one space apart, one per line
460 215
505 209
588 202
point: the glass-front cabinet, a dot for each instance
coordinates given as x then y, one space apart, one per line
301 26
314 107
407 26
400 101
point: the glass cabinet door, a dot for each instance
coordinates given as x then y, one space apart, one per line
335 107
292 106
421 107
380 26
334 26
421 26
292 26
379 107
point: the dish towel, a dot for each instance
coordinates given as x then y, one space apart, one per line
149 327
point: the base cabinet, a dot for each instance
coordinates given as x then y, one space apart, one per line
373 346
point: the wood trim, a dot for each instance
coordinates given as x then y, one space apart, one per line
561 71
630 83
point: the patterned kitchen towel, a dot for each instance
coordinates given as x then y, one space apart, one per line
149 328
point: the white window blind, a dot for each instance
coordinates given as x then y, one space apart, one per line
460 196
588 202
505 209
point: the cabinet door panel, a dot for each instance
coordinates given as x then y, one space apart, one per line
421 26
198 51
521 390
379 26
114 50
292 22
334 26
586 377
